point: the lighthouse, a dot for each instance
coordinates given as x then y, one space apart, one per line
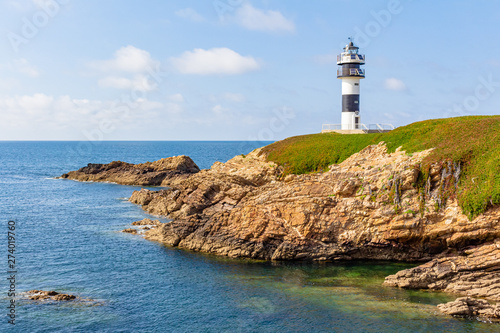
351 74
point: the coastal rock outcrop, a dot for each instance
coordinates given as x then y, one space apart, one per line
157 173
474 272
374 205
367 207
147 222
39 295
142 225
472 308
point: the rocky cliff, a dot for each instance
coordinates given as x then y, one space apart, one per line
366 207
374 205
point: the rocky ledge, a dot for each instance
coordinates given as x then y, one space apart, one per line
473 271
157 173
467 307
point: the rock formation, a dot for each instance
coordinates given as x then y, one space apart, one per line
367 207
156 173
374 205
474 272
39 295
130 231
469 307
144 225
147 222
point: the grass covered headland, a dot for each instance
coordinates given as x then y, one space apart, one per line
474 142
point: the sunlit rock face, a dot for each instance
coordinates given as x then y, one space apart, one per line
366 207
374 205
156 173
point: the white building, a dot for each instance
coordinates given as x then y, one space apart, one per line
351 74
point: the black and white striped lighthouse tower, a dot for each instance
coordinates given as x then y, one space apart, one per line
350 73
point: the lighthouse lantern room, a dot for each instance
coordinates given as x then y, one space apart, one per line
350 73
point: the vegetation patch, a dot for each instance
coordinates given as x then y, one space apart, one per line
471 142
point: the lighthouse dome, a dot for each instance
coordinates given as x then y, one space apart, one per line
351 48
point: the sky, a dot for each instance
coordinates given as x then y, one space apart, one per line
259 70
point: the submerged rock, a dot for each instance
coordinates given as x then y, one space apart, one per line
147 222
470 307
144 225
64 297
38 295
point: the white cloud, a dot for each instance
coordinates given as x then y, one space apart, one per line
128 70
255 19
394 84
214 61
223 114
21 112
190 14
173 108
232 97
21 66
139 83
21 5
41 112
127 59
218 109
146 105
40 3
33 103
177 98
30 5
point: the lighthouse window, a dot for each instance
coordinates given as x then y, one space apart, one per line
353 56
356 84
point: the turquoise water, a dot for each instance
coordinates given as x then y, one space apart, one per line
68 239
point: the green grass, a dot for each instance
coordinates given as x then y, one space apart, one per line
473 141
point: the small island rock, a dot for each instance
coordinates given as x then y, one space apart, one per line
156 173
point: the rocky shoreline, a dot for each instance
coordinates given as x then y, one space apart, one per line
367 207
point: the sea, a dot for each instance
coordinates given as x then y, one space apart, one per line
65 236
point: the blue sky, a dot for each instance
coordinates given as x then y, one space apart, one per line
237 69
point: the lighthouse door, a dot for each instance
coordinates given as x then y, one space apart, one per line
356 122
